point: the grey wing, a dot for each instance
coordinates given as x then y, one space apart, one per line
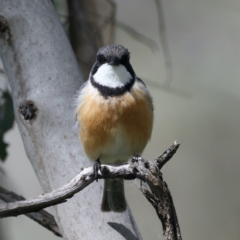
141 81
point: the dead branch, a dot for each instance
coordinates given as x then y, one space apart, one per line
158 193
42 217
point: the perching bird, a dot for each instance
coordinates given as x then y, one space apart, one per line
115 115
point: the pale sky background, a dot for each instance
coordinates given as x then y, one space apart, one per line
201 111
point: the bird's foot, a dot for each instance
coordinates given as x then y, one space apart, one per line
96 167
136 158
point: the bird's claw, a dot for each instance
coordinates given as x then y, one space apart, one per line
136 158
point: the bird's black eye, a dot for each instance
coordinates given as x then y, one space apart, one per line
101 59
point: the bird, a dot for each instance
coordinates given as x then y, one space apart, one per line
115 117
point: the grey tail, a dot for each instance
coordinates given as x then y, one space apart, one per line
113 196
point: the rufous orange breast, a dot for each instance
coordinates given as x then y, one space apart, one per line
115 128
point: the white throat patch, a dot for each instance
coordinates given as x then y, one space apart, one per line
112 76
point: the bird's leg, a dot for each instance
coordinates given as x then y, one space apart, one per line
96 167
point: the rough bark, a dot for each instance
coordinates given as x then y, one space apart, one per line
44 75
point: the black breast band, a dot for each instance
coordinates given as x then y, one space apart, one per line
112 92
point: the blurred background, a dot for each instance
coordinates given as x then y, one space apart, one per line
188 53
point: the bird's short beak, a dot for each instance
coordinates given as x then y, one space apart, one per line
113 61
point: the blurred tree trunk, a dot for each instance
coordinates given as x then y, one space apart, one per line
91 25
44 75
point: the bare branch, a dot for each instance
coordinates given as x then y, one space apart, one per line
42 217
82 180
167 155
148 171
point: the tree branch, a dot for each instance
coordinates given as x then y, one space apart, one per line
42 217
167 155
148 171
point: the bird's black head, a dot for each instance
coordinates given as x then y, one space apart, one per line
113 54
112 73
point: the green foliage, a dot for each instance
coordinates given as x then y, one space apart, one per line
6 120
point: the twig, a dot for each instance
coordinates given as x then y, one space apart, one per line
148 171
167 155
42 217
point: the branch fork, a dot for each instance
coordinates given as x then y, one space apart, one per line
157 192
